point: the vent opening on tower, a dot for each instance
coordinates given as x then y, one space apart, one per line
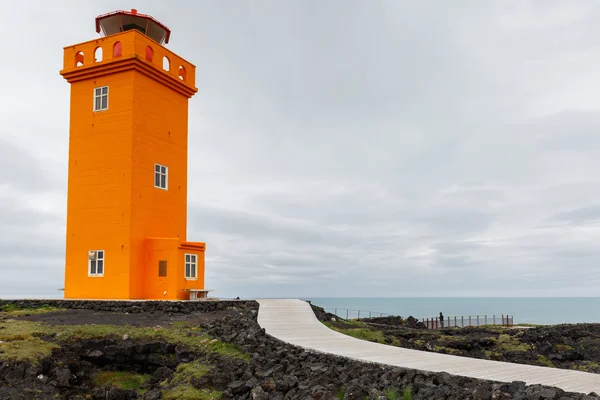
149 53
79 59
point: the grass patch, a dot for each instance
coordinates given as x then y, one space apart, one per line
188 371
447 350
395 394
510 343
360 333
179 385
407 394
588 366
121 380
13 310
544 361
562 347
20 340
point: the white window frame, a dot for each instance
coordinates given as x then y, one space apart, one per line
100 96
160 171
102 259
190 260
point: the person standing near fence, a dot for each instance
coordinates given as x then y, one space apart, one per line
441 319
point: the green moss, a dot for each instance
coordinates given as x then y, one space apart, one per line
407 395
369 334
446 350
179 386
393 394
188 371
588 366
186 392
562 347
20 339
121 380
510 343
18 342
544 361
490 355
419 343
13 310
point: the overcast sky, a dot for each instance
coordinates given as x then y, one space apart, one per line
342 147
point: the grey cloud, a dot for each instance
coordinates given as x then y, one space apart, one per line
580 215
255 226
26 170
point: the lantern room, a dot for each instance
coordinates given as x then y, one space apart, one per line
122 21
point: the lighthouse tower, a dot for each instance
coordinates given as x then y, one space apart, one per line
128 156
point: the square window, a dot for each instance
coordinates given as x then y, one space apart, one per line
161 174
191 266
96 263
162 268
101 98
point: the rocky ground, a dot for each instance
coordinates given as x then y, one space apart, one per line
199 350
569 346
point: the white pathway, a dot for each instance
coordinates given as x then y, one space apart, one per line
294 322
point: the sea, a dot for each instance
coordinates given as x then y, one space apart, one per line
524 310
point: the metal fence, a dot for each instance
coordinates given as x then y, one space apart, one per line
468 320
348 313
431 323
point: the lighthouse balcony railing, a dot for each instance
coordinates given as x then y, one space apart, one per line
130 44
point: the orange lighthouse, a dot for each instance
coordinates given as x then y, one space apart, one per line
128 153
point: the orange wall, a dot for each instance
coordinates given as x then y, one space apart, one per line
112 203
159 136
100 181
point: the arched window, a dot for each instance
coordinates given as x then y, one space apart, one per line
98 54
166 63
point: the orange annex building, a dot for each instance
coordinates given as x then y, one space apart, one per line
128 159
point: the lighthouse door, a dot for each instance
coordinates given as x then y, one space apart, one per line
163 280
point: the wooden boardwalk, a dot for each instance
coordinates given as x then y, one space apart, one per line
294 322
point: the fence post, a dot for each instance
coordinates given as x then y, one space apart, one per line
380 314
470 321
369 314
502 319
455 321
335 312
358 314
478 321
462 321
485 319
494 320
